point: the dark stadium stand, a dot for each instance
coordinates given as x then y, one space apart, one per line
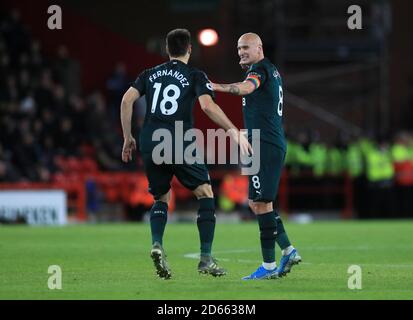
59 131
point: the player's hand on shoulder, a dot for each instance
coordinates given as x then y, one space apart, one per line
129 145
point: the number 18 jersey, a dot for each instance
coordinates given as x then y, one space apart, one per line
170 90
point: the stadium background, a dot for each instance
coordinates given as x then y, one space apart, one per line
348 116
348 100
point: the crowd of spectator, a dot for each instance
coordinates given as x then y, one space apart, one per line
381 170
43 112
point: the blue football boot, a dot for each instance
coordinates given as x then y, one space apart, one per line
287 262
261 273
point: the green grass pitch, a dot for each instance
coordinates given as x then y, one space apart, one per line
111 261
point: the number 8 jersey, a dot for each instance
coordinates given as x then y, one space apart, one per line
170 90
263 108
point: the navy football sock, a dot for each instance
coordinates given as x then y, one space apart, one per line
282 237
206 224
268 232
159 216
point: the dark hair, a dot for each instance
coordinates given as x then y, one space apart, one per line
178 41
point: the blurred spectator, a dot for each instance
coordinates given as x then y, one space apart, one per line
36 61
67 71
380 177
403 166
107 145
116 86
48 153
26 155
355 167
15 35
67 140
78 113
7 172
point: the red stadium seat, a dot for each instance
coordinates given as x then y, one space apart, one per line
89 165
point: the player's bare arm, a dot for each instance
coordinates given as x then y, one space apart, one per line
126 109
239 88
215 113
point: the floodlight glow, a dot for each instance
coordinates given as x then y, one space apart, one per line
208 37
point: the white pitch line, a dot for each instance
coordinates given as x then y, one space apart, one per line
196 256
354 248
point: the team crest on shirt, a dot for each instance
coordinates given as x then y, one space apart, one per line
276 74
